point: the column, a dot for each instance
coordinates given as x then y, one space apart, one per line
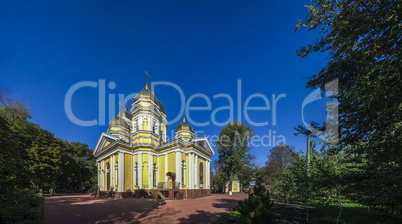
178 168
120 177
132 172
190 171
112 172
166 167
99 168
140 170
158 159
103 175
208 175
151 171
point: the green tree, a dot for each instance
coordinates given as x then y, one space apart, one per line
279 158
363 39
17 204
233 147
256 208
247 171
45 159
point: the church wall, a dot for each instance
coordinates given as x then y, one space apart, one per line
128 172
161 168
168 149
171 162
113 172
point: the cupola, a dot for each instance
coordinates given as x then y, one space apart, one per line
184 131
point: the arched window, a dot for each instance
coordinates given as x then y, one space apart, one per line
108 176
163 133
183 172
154 171
135 125
145 174
201 175
156 127
116 168
136 173
145 124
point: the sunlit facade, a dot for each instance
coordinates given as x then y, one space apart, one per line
134 155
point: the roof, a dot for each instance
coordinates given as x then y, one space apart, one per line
147 94
184 126
119 119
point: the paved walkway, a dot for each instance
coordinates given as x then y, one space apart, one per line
80 208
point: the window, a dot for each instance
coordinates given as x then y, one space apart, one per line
135 125
136 173
145 124
154 174
183 172
201 175
116 168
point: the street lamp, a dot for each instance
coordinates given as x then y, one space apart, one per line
308 155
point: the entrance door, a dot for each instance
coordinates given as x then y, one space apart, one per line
108 177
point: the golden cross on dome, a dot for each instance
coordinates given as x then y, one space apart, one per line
122 105
147 75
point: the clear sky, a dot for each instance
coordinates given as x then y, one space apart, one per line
202 46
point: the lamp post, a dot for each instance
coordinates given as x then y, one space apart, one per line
308 155
308 151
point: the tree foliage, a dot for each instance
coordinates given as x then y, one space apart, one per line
279 158
31 158
364 39
327 172
233 147
257 207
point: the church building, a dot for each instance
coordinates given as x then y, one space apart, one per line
135 159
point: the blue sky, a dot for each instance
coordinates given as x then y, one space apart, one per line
202 46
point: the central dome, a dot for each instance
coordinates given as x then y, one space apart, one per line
147 94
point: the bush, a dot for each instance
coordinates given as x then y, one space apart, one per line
257 207
232 217
23 207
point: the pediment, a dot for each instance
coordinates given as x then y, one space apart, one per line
104 140
204 143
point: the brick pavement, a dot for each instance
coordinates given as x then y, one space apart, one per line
80 208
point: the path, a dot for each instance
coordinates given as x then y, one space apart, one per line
79 208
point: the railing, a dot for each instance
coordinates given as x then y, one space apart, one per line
168 185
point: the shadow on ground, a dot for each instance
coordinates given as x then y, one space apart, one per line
81 209
202 217
293 213
85 209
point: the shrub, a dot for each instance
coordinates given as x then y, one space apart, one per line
24 207
256 208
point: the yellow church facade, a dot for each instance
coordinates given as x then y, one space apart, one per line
134 157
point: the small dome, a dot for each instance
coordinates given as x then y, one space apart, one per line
119 121
147 94
125 114
184 126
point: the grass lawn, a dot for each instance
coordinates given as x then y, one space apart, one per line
354 213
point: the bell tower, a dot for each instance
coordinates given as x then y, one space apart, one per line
149 120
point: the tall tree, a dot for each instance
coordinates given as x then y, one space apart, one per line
233 147
279 158
45 159
364 39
